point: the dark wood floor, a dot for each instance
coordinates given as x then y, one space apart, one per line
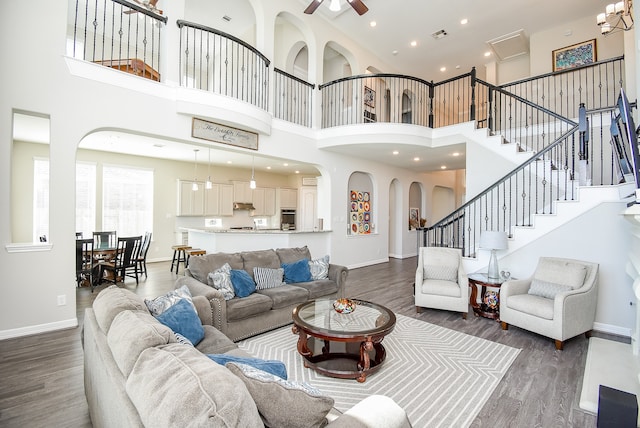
41 376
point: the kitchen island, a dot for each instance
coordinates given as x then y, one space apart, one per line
235 240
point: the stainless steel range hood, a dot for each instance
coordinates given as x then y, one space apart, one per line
246 206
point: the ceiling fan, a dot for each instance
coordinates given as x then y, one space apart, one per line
357 5
147 4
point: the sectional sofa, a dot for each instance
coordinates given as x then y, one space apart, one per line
265 309
137 373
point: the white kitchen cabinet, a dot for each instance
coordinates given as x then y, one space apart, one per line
264 201
242 192
219 200
190 202
288 198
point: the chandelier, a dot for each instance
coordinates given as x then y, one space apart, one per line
616 17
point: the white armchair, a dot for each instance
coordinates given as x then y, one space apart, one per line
441 281
558 301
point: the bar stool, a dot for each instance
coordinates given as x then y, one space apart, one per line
194 252
179 255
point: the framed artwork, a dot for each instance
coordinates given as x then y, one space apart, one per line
360 212
575 55
224 134
414 218
369 97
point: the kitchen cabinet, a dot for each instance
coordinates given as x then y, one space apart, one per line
219 200
242 192
190 202
264 201
288 198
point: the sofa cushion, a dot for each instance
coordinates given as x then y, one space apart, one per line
131 333
537 306
183 318
260 258
243 284
286 295
319 268
177 386
113 300
561 272
162 303
284 403
246 307
290 255
199 267
441 272
268 278
275 367
220 279
441 288
546 289
215 342
297 271
322 287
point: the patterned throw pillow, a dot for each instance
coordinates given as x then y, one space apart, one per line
220 279
268 278
547 289
441 272
162 303
319 268
284 403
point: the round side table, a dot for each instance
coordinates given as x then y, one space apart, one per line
489 306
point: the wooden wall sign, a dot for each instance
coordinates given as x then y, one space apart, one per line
224 134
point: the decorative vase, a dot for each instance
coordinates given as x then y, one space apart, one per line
344 306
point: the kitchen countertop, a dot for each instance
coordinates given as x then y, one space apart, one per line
252 231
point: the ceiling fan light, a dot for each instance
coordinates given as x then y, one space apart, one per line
334 6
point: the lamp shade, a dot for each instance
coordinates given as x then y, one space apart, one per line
493 240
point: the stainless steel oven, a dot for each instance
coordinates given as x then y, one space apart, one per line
288 219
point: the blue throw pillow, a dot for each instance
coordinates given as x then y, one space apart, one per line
183 319
243 284
275 367
297 271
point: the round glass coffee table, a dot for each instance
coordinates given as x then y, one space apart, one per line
347 346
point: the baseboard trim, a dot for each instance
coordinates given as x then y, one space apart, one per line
369 263
37 329
612 329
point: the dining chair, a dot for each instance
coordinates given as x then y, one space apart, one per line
79 235
142 257
85 263
124 264
104 240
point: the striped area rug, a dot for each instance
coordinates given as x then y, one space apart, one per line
441 377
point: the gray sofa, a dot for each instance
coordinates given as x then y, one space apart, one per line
263 310
136 375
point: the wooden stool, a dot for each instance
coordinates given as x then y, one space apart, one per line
179 256
194 252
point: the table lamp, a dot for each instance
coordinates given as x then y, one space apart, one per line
493 240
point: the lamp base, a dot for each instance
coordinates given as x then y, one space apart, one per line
493 272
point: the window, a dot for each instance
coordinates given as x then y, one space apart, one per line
127 200
85 198
40 200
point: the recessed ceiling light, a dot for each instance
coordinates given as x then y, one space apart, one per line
394 53
297 172
455 154
487 53
443 167
465 21
229 162
285 164
395 152
416 159
457 67
443 69
268 167
414 43
373 23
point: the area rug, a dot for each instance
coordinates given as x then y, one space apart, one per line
441 377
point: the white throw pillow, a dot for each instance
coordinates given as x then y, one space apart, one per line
319 268
220 279
441 272
162 303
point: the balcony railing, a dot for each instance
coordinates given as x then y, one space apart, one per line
292 98
117 34
218 62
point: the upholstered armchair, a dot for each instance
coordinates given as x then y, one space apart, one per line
441 282
558 301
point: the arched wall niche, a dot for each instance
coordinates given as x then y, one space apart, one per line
415 203
291 39
338 62
361 207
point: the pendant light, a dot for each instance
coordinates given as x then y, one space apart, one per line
252 183
208 184
194 186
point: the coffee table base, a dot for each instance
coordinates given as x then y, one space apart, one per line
355 359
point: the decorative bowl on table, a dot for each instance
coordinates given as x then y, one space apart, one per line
344 306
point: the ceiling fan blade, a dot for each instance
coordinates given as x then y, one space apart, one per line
313 6
358 6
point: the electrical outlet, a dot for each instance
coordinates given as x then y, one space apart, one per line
62 300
